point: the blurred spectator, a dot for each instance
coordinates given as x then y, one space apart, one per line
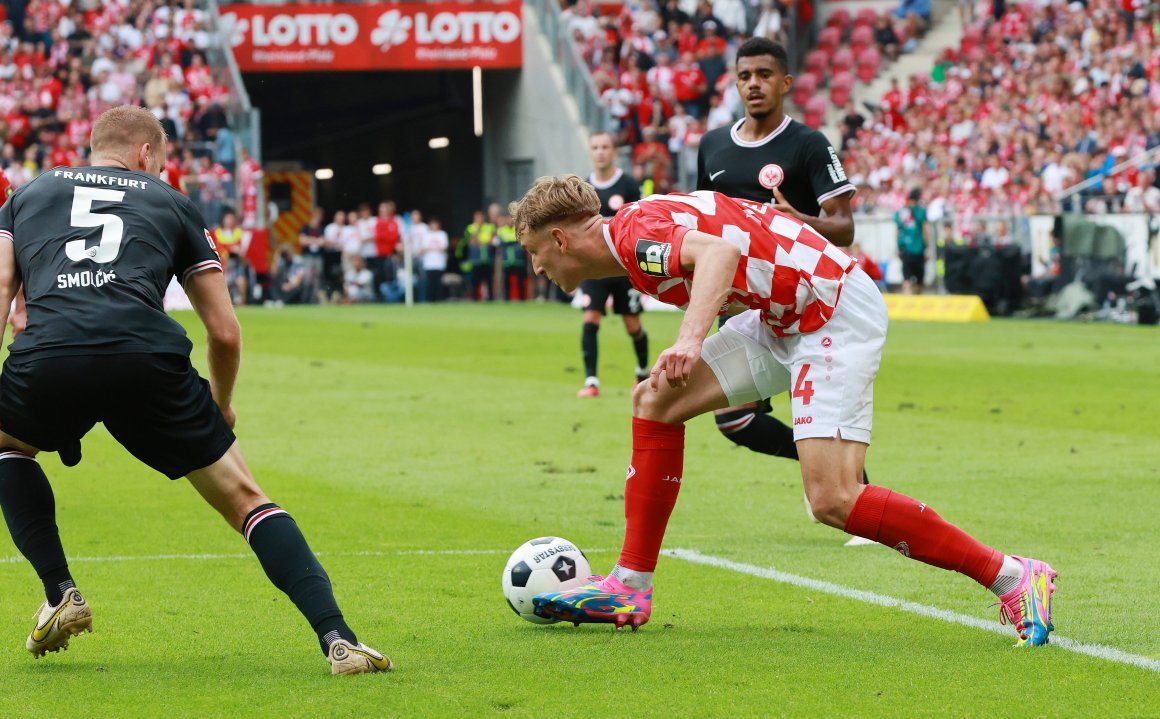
291 282
1144 196
332 260
433 260
852 123
387 232
312 242
886 38
868 265
515 261
239 276
913 240
359 281
478 236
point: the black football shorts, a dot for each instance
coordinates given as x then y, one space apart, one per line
625 300
155 405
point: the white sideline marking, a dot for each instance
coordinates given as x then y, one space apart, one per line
1093 650
691 555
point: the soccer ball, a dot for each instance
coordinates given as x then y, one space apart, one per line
546 564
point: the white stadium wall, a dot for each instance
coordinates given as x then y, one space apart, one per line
531 126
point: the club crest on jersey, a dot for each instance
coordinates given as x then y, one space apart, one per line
771 176
653 257
615 202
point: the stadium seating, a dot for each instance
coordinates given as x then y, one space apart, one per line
841 85
817 62
842 61
839 18
869 60
861 38
829 39
866 17
804 88
815 111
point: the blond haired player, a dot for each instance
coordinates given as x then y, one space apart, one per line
808 322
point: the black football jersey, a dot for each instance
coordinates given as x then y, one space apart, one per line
96 248
797 160
616 193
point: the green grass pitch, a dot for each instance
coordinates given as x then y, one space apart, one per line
417 447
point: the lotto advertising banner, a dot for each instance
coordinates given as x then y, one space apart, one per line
374 36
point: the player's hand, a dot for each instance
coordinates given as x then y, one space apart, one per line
230 415
19 322
782 205
676 363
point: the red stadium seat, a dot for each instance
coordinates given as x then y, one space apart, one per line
817 62
816 112
840 19
861 38
841 84
866 16
868 63
843 61
829 39
805 87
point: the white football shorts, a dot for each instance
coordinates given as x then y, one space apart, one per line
829 373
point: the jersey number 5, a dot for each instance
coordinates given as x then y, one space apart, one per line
83 216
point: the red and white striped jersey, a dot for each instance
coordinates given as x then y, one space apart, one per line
787 270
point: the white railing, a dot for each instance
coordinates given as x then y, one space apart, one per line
1143 158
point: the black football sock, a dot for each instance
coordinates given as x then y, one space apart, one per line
292 567
758 432
640 344
588 348
30 511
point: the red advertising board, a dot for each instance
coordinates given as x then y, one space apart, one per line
374 36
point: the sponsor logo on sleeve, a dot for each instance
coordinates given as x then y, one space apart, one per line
837 174
653 257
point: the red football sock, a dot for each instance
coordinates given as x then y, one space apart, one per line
650 493
917 531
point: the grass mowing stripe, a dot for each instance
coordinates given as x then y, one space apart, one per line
244 555
1098 651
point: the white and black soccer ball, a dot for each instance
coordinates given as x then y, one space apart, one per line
545 564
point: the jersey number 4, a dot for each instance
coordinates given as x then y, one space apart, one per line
803 389
83 216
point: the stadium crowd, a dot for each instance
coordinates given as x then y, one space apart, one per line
664 69
361 256
1032 102
1037 97
63 63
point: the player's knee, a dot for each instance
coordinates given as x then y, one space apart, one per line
650 404
831 504
732 423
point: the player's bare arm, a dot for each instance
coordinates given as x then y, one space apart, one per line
9 279
836 223
211 299
19 316
715 262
